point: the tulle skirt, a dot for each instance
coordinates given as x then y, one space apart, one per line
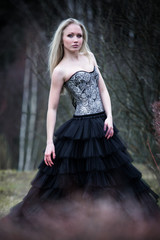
87 163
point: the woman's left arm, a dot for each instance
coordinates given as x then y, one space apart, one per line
108 123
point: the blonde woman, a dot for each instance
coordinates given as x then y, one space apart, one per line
87 156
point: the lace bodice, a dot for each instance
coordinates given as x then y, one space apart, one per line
83 89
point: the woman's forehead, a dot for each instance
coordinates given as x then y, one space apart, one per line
73 27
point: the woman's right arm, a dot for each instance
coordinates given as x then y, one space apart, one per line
54 95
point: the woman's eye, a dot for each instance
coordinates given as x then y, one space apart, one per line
70 35
79 35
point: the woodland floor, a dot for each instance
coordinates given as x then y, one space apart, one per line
14 185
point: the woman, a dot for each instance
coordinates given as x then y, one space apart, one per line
87 156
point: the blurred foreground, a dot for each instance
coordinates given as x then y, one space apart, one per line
14 185
75 219
83 219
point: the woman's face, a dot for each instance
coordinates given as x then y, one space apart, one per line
72 37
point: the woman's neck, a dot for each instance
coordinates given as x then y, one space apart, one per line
73 56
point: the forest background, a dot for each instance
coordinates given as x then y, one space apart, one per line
125 38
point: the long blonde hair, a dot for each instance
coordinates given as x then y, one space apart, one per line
56 51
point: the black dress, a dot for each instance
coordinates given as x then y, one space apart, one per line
85 160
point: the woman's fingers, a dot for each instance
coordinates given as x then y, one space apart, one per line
105 126
108 125
50 151
53 155
48 160
109 132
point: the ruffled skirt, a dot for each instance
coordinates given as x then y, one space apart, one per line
87 163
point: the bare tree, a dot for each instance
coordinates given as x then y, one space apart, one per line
33 111
25 101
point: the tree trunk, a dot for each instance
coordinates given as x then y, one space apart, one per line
23 125
33 112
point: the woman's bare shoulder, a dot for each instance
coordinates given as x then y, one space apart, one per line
64 69
93 57
58 72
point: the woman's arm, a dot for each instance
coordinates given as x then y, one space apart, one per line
54 95
108 124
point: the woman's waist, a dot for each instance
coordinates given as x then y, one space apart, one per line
90 115
88 109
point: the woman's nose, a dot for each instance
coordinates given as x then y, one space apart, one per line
75 39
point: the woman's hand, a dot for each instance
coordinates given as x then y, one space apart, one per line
50 149
108 124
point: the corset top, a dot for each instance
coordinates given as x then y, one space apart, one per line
84 91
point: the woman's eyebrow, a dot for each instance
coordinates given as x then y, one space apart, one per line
74 33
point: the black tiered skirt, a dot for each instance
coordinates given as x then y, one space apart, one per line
87 163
